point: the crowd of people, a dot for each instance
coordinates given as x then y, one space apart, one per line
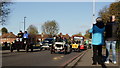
23 36
104 35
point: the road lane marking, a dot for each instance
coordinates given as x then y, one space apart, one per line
55 58
62 56
58 58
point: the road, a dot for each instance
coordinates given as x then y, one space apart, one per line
37 58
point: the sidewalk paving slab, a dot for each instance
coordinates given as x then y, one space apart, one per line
86 61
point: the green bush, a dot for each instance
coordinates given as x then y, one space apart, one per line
118 45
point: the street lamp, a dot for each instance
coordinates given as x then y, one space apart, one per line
93 11
93 16
24 23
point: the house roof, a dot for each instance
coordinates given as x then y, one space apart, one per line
48 36
8 35
77 36
44 36
66 36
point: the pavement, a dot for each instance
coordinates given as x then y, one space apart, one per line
86 61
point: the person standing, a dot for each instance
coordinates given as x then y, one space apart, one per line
97 40
20 35
26 37
111 38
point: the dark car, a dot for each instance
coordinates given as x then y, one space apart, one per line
47 43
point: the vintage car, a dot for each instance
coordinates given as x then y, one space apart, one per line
60 47
46 44
78 43
20 44
75 47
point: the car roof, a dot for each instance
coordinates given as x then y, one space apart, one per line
49 38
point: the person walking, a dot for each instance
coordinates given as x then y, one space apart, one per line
97 40
111 38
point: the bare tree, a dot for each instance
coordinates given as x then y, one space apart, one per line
50 27
87 34
4 11
32 29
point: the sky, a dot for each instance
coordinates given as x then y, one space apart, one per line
72 17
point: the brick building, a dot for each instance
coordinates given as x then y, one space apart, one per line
7 37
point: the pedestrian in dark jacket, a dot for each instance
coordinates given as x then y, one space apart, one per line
97 40
111 30
20 35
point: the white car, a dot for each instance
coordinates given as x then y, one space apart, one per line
60 47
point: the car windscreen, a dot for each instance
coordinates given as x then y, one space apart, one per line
59 45
48 41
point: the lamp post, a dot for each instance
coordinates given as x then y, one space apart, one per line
24 22
93 11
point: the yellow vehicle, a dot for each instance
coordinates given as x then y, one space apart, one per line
75 45
77 42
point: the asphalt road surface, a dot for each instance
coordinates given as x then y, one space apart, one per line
37 58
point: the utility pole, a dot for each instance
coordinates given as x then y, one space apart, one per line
24 22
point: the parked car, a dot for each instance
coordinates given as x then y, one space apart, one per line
47 43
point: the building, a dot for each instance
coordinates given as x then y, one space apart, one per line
41 37
7 37
10 37
66 36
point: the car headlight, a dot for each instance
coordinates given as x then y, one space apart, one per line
50 44
41 44
25 42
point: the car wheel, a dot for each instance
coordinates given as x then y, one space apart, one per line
65 52
41 49
45 49
26 48
17 49
51 52
31 47
11 49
